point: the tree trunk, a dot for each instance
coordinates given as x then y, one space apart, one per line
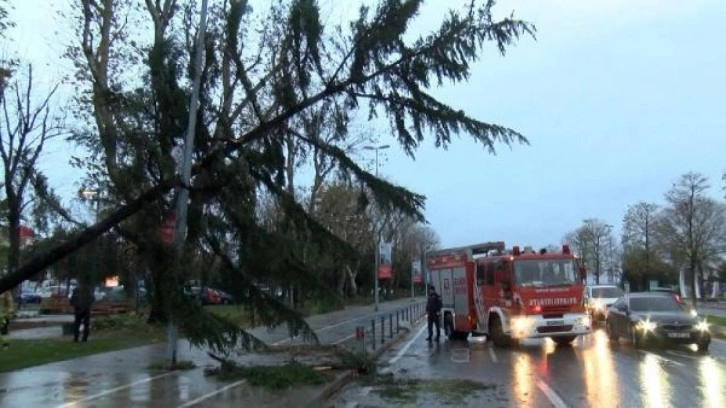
694 282
351 279
342 275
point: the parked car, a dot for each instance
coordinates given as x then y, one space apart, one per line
57 292
671 291
653 317
226 298
27 297
208 296
598 298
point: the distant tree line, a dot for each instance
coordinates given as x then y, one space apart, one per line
684 233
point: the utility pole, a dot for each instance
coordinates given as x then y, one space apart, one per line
378 235
182 196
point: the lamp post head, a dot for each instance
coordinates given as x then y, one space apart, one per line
86 193
381 147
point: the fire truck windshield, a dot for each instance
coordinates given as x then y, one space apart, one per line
545 272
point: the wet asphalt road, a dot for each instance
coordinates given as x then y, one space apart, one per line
590 373
124 378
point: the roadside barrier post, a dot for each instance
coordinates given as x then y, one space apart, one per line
383 329
360 334
373 333
390 326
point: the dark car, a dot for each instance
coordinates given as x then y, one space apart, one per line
28 297
645 317
226 298
673 292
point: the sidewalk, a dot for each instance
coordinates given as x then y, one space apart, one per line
123 378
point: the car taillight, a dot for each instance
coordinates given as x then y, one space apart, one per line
678 298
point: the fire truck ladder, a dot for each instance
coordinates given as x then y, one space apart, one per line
476 249
470 251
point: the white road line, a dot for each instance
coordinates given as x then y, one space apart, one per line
492 355
551 394
659 357
113 390
680 354
344 339
211 394
405 348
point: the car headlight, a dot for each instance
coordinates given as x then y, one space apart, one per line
702 326
583 321
598 305
646 325
694 313
520 324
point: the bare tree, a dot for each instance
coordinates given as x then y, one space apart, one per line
638 230
27 123
590 242
692 226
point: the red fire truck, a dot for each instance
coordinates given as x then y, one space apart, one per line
510 294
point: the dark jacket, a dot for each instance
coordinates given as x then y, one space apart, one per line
82 299
433 304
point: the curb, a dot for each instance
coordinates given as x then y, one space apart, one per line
346 378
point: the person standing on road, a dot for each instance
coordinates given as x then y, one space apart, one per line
6 314
82 300
433 310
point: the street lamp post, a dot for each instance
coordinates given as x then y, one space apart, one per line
378 235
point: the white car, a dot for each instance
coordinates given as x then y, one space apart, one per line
598 298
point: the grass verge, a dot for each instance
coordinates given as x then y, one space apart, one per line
110 333
716 320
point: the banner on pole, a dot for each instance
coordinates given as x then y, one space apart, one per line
416 272
385 270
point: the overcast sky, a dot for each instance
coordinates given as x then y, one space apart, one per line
618 98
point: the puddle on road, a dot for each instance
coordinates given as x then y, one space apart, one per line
424 392
460 355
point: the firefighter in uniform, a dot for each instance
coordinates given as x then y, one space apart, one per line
7 312
433 310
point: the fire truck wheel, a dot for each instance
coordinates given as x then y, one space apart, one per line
564 340
448 325
498 337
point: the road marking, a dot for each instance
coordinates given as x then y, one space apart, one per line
405 348
344 339
657 356
680 354
211 394
492 355
551 394
113 390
